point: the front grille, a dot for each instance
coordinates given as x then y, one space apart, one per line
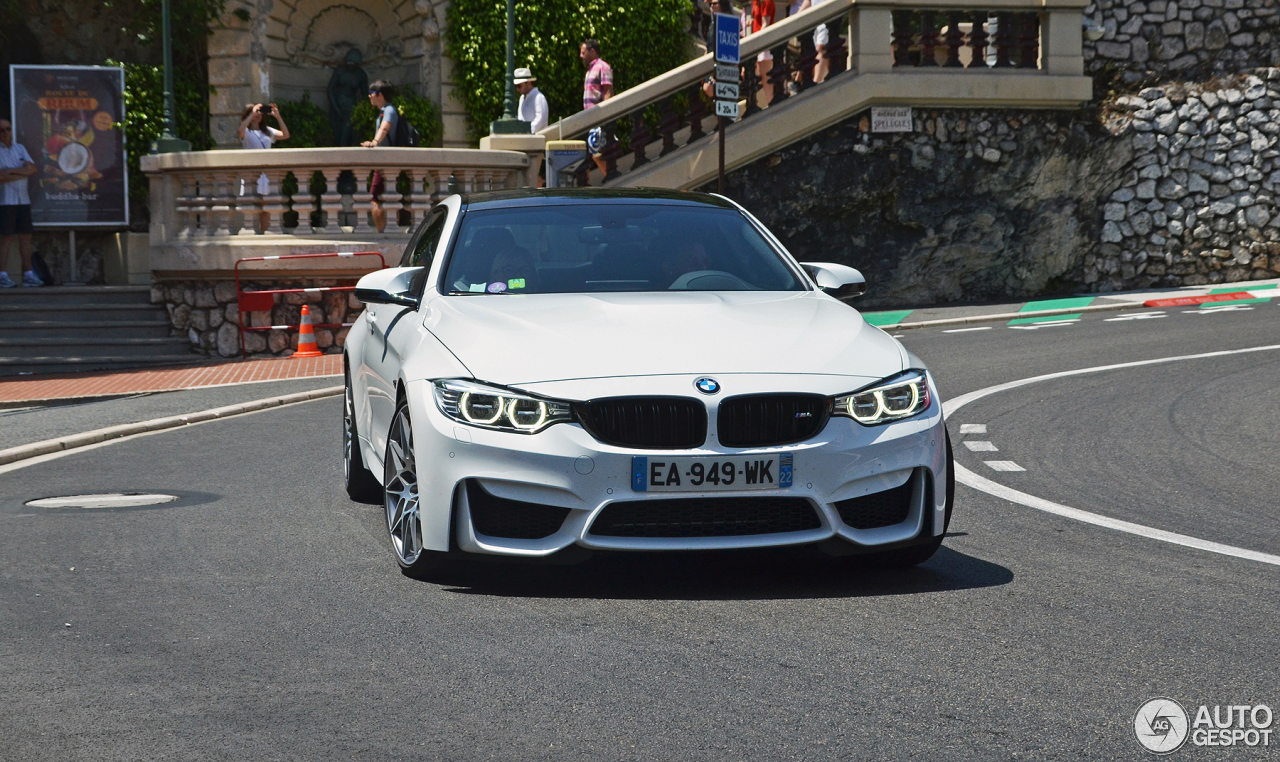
655 423
879 509
499 517
765 420
705 517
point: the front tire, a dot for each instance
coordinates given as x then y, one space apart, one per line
358 479
401 499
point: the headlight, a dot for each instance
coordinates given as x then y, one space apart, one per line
892 400
489 407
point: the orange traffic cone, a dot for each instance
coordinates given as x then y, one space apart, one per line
307 337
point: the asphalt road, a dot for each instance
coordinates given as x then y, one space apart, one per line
262 616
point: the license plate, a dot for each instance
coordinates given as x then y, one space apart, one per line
711 474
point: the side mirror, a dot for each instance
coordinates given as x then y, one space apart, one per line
840 281
393 285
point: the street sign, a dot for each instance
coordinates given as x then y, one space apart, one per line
891 119
727 73
727 108
727 91
727 30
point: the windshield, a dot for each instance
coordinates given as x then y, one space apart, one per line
594 248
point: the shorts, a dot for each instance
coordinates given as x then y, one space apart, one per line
765 55
15 220
379 185
821 36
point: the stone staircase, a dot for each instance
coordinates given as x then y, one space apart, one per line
74 328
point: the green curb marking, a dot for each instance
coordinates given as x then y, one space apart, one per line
1046 318
1243 287
1235 301
885 318
1058 304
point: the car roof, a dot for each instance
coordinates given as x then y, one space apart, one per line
576 196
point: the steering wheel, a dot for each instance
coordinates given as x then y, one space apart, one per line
709 280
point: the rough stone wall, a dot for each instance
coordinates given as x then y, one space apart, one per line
1172 186
207 312
1186 39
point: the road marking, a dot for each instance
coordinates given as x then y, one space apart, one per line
982 484
1070 303
966 330
1186 301
884 319
1136 316
1045 324
980 446
1045 320
1003 465
1215 309
973 428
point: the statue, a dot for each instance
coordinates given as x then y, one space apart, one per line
348 85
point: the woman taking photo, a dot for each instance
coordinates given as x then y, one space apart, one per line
255 135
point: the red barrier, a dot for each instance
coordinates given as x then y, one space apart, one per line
260 301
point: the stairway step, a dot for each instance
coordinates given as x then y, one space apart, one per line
11 314
50 295
92 346
12 366
70 329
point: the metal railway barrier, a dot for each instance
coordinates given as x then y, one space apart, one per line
264 301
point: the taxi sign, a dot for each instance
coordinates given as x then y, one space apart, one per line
727 30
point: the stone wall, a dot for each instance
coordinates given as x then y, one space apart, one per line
1186 39
209 315
1170 186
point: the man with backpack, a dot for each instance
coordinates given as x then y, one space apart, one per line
390 129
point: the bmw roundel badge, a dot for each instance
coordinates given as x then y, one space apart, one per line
707 385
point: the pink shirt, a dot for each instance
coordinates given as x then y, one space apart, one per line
599 74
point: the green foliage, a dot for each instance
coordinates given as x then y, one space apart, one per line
309 125
144 118
640 39
421 112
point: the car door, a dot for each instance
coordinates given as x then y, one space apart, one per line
385 323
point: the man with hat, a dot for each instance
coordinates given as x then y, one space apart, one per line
533 104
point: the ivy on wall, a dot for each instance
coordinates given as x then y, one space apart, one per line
309 125
640 39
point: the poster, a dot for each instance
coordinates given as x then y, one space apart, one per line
71 120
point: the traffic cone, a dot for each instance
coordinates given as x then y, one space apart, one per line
307 337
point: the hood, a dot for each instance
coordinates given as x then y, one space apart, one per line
514 340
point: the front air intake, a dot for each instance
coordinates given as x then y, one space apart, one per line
499 517
652 423
705 517
879 509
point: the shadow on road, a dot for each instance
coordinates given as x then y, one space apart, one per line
737 575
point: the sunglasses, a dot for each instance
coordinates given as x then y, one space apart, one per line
6 129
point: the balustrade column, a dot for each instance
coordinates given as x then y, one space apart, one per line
331 203
303 202
218 203
668 123
978 41
407 200
185 204
1028 40
954 40
1004 40
272 204
639 139
362 203
697 112
928 38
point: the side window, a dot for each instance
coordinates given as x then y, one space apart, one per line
421 252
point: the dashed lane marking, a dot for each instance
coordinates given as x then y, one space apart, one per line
1003 465
980 446
1043 324
1044 320
982 484
973 428
966 330
1136 316
1215 309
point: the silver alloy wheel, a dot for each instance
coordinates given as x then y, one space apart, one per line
401 482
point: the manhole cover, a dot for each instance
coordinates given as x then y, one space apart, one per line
107 500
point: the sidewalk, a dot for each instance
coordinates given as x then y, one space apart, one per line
1075 306
70 386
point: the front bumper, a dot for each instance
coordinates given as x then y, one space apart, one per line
563 466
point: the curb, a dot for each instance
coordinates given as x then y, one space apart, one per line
73 441
1015 315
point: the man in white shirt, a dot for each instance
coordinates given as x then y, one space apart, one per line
533 104
15 205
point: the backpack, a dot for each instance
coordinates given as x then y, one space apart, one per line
406 136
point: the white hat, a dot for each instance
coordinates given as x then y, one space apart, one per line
523 75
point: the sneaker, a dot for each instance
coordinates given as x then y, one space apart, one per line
31 280
5 281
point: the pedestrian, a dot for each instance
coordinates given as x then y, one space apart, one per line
15 205
763 14
533 104
256 135
597 87
821 41
381 92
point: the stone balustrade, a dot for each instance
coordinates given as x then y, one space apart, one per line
207 211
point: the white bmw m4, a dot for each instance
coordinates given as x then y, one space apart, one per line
551 371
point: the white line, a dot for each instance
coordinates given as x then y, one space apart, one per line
1136 316
966 330
973 428
1045 324
980 446
1003 465
970 479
